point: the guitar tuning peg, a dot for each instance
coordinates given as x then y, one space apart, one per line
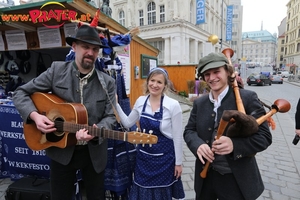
144 130
150 132
150 145
143 145
137 129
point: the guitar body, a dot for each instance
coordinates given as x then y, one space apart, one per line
56 109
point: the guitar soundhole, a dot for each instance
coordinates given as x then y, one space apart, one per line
59 134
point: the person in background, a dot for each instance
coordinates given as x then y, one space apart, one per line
76 82
297 119
233 172
239 80
158 170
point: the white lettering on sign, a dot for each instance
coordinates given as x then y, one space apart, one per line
39 153
200 11
12 135
21 150
32 166
15 124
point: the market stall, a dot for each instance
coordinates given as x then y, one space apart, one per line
32 36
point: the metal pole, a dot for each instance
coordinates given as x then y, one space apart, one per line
221 40
242 48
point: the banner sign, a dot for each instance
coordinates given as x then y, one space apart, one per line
200 11
51 15
229 23
17 160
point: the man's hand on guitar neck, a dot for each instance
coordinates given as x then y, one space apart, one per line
42 122
83 134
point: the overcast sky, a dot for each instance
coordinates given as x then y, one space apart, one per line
268 12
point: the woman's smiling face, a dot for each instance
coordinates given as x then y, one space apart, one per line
156 84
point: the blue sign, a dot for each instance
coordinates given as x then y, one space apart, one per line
17 160
229 23
200 11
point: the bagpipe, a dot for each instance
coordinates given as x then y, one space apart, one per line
238 119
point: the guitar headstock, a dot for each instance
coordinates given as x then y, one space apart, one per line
141 138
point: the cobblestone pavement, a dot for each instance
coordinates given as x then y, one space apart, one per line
279 164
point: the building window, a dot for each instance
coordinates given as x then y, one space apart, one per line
162 13
151 13
122 18
141 17
159 44
298 47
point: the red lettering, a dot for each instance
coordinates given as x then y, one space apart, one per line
44 16
5 18
14 18
24 18
72 15
52 15
58 13
88 16
34 15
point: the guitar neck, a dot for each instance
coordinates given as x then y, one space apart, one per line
104 133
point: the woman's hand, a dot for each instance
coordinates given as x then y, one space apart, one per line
178 171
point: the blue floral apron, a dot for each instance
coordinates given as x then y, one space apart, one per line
155 165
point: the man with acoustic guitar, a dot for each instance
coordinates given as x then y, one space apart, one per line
226 135
80 83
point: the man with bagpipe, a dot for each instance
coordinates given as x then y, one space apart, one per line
224 135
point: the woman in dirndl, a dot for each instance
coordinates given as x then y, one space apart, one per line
157 174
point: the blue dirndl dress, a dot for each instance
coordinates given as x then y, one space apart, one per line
154 172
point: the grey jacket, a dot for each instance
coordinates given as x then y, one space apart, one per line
62 79
200 128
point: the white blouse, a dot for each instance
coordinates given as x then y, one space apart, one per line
171 124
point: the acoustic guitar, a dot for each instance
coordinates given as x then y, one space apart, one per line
69 118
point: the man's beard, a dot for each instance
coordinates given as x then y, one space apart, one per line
87 64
